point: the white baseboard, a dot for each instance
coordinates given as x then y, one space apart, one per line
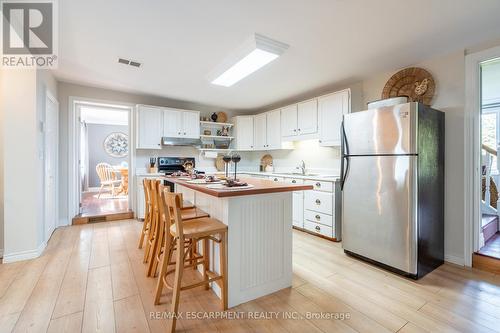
454 259
64 222
24 255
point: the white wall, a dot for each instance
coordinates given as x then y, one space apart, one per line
22 107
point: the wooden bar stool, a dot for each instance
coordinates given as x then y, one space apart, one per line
147 213
204 229
160 229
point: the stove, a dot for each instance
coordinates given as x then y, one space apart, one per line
170 165
175 166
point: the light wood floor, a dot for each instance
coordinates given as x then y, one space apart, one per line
91 279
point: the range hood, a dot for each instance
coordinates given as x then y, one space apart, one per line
168 141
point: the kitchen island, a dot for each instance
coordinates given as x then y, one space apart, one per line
259 220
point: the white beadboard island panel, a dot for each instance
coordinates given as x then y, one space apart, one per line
259 242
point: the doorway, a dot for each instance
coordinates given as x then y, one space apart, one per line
488 228
103 160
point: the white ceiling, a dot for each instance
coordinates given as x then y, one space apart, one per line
181 42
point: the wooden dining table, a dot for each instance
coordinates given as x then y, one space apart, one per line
123 171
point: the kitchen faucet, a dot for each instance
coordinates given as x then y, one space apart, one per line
302 167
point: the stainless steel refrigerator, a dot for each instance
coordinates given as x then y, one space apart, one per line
392 180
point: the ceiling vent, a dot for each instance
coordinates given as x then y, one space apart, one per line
129 62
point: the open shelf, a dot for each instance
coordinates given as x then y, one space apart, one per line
214 124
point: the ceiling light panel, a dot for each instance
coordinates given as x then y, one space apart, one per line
254 54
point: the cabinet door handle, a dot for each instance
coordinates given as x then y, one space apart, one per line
318 184
295 130
317 228
318 217
294 181
320 141
318 202
275 179
299 129
179 133
184 133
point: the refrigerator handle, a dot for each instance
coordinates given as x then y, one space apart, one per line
344 155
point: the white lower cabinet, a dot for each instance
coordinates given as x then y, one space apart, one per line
141 203
318 228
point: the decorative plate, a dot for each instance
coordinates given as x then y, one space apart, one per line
221 117
414 82
116 144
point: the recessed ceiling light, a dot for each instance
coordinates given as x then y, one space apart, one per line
254 54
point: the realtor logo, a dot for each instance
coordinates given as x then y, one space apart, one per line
29 32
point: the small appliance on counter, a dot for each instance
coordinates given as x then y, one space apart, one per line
392 179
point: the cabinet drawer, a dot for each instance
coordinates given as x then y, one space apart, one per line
293 180
318 228
320 186
317 217
276 179
319 201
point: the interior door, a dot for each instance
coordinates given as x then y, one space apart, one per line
307 117
379 210
260 131
172 123
289 121
50 165
191 124
273 130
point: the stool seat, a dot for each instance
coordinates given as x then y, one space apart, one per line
193 213
199 227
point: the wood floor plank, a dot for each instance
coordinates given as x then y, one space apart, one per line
129 315
8 274
38 309
329 303
98 315
67 324
8 322
71 297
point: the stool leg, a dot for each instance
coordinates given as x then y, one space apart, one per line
223 269
167 255
144 229
156 255
149 239
194 250
206 262
179 268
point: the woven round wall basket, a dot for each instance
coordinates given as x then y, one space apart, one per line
414 82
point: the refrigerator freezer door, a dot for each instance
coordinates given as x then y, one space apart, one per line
388 130
379 219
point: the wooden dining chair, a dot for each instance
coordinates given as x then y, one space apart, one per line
190 232
158 239
147 213
107 177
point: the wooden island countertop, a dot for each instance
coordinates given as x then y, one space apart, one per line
260 186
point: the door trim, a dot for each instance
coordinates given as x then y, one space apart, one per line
74 150
472 156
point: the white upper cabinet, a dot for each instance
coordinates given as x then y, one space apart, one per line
172 123
307 117
149 127
191 124
260 131
273 119
331 109
244 132
289 121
